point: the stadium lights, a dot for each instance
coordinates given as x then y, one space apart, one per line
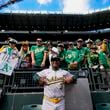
2 30
66 31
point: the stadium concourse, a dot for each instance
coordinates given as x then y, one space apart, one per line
80 41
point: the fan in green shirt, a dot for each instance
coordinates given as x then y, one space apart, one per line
38 54
62 53
97 59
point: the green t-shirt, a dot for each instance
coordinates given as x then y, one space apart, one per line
93 59
75 55
80 55
63 63
71 56
104 59
87 50
39 53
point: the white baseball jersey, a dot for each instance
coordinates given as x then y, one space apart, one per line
55 86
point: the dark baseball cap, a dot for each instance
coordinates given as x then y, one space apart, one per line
55 58
80 40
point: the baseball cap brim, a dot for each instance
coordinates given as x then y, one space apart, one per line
55 59
79 40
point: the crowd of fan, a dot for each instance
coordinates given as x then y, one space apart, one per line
95 54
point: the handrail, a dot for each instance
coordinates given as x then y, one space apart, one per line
23 80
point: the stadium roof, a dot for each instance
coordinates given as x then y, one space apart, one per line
54 22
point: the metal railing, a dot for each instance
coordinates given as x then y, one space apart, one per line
23 81
99 79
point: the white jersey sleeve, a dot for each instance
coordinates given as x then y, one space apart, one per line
66 73
42 73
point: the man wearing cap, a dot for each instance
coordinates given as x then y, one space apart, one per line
98 43
75 57
38 54
62 53
96 59
93 58
70 46
54 80
11 50
81 53
89 44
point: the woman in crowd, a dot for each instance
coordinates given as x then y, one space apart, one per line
25 57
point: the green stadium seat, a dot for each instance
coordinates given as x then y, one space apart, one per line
32 107
103 106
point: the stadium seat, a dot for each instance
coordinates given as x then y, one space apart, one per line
32 107
103 106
